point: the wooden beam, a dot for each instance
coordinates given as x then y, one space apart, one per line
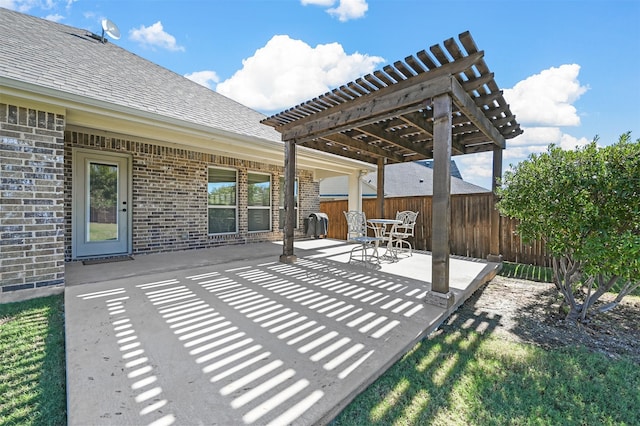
475 138
475 114
375 150
289 201
364 122
441 195
378 131
474 84
418 120
487 99
339 150
499 122
481 148
369 109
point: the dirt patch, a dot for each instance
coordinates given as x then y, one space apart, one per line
527 311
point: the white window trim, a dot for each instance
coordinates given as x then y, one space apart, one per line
221 206
269 207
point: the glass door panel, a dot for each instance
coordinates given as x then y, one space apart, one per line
103 202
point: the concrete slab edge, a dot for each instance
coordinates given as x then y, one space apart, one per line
28 294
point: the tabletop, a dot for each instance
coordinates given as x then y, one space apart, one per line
385 221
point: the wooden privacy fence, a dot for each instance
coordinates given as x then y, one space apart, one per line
470 226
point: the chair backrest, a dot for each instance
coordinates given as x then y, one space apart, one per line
356 224
408 219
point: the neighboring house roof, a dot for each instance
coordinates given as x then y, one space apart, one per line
70 67
400 180
455 172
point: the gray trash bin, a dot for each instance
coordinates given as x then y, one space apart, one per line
318 225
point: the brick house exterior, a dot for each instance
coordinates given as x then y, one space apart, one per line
168 131
32 202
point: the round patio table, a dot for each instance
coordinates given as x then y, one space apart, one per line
380 229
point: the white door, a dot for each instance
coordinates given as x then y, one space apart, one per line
101 204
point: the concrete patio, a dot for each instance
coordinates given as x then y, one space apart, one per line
231 336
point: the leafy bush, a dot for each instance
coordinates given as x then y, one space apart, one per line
585 204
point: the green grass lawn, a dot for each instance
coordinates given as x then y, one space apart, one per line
527 272
467 378
541 274
32 362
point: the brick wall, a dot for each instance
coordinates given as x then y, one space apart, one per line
31 198
170 194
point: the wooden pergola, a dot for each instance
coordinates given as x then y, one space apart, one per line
432 105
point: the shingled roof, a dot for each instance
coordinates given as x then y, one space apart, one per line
68 63
400 180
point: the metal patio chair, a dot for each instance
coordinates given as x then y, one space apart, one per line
357 233
405 230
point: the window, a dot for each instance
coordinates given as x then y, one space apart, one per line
221 201
295 202
259 202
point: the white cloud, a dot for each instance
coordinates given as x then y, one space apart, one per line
477 168
155 36
347 9
55 17
326 3
22 5
543 136
536 136
286 72
546 99
476 165
570 142
543 104
517 154
8 4
204 78
26 5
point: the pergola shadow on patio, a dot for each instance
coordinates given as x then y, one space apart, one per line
232 336
431 105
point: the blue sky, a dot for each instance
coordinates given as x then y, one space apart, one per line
569 68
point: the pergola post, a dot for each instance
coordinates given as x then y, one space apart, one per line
289 201
494 247
380 189
440 295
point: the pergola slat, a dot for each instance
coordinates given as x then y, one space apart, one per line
414 64
426 60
